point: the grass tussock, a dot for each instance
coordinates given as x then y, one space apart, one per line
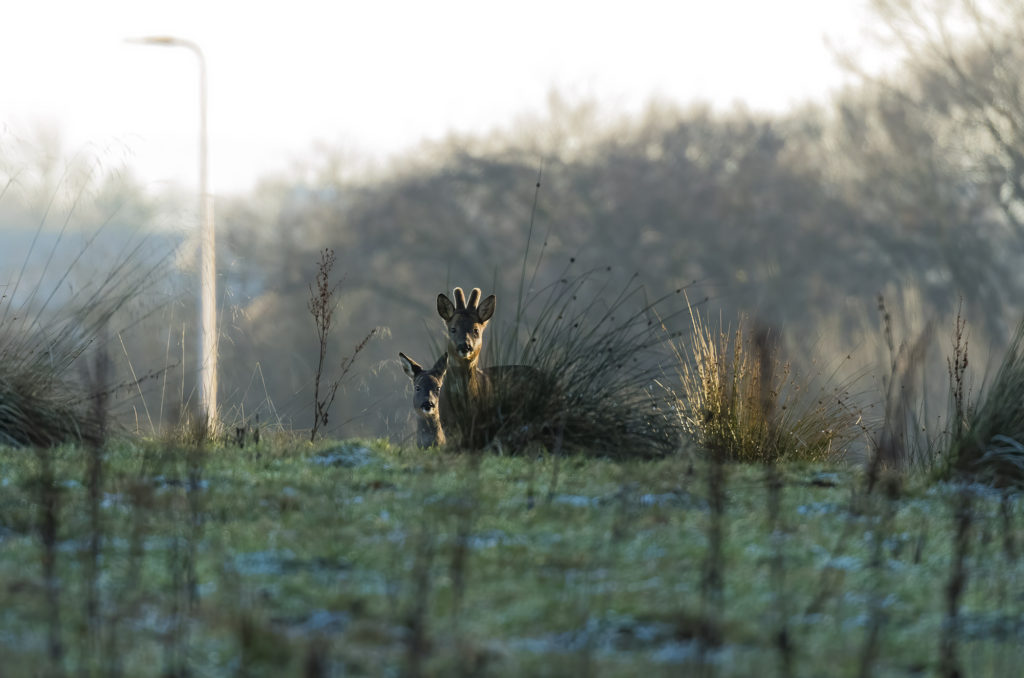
54 369
36 405
56 377
740 401
586 360
989 444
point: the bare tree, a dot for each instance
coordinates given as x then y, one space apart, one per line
964 59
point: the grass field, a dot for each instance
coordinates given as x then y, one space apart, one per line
360 558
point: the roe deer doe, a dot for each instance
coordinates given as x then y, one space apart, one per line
426 399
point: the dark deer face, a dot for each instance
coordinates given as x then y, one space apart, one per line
465 321
426 384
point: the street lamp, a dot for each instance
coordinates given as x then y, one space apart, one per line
207 253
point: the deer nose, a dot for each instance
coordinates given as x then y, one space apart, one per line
427 407
464 350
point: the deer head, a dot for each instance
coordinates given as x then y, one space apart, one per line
465 321
426 383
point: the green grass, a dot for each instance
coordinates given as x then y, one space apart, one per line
359 558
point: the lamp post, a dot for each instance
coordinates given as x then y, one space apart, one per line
207 253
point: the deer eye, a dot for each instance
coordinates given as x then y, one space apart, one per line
418 388
476 333
453 330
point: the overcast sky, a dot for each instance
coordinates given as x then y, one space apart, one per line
378 76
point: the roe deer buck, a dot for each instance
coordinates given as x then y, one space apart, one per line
426 399
466 321
487 395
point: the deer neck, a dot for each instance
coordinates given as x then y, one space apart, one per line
465 376
429 432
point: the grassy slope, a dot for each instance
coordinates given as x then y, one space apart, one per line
347 557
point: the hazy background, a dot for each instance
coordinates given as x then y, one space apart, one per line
791 162
379 78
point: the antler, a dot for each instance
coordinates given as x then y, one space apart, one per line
474 299
460 299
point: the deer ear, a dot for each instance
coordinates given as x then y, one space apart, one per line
410 366
486 308
441 365
445 308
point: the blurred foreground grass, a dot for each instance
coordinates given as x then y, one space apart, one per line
360 558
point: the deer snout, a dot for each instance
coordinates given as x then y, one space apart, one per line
464 350
428 407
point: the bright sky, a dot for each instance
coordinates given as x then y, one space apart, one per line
378 76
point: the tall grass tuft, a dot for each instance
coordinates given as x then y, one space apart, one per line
740 401
592 360
36 407
50 317
43 399
990 444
